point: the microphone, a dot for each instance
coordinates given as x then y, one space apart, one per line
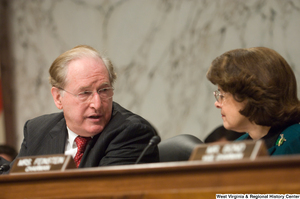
4 167
154 141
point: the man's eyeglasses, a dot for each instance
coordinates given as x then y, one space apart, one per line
104 93
219 96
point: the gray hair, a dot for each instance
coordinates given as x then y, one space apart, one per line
59 68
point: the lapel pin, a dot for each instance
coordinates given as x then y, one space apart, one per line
280 140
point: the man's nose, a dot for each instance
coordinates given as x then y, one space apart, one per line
96 100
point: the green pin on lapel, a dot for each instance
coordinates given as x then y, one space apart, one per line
280 140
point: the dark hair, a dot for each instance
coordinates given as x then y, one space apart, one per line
220 132
8 150
263 79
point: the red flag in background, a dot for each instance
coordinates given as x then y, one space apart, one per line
2 127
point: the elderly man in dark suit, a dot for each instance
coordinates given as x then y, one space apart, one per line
82 87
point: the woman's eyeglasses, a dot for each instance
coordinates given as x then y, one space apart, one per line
219 96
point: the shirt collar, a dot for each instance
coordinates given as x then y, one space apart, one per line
271 138
273 134
71 137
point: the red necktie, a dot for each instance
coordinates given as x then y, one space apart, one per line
81 144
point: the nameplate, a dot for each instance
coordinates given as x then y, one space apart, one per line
230 151
43 163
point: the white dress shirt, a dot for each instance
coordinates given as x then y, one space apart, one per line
71 147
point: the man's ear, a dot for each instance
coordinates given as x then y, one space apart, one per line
56 94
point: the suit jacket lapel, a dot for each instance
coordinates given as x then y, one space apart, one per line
92 156
58 136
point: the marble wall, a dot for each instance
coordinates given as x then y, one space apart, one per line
161 50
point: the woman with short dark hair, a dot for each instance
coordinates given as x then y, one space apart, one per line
257 94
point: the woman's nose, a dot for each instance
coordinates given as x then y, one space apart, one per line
218 104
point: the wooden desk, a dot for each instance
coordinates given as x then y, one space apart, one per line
193 179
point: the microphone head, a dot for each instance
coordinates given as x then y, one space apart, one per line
4 167
154 140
